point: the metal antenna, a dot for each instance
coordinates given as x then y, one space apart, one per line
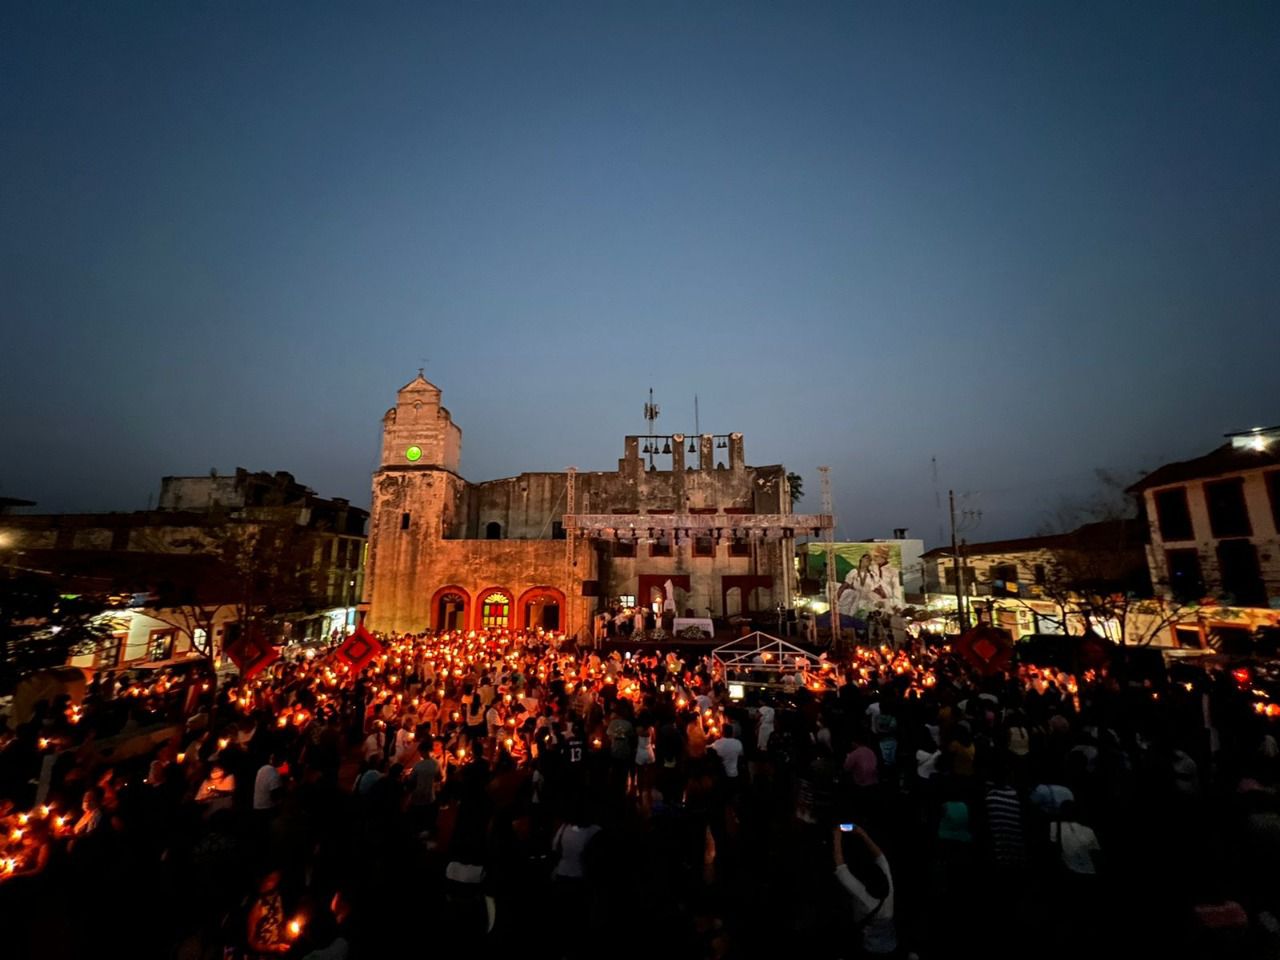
651 412
828 535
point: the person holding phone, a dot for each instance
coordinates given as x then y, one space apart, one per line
863 871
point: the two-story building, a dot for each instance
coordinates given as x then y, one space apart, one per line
1025 585
1214 546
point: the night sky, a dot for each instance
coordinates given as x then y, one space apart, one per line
1028 239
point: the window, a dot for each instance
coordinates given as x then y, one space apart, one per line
1173 516
493 530
624 548
1004 579
120 538
627 600
970 576
107 653
1228 515
1241 578
1005 572
704 547
160 646
404 521
1039 574
740 548
557 529
496 610
1186 583
1187 638
660 548
1273 493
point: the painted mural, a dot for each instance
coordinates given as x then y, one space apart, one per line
869 577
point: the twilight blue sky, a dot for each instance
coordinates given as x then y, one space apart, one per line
1028 239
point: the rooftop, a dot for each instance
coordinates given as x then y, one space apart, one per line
1249 450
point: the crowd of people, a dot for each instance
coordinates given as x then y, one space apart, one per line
503 793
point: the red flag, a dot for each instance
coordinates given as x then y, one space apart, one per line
358 649
252 654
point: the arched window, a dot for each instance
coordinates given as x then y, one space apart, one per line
495 610
493 530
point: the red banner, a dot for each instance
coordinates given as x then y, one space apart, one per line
358 649
252 655
986 649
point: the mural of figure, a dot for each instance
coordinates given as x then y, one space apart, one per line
871 586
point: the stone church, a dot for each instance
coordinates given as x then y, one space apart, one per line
551 549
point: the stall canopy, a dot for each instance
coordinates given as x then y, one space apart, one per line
759 660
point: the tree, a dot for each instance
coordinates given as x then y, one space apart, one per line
248 573
1095 569
43 624
795 483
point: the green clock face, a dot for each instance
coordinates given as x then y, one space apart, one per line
413 454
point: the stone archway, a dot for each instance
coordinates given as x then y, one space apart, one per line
450 607
541 607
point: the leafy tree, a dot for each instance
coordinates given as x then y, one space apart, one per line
42 624
796 484
247 573
1095 568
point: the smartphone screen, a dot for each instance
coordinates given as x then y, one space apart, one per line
846 828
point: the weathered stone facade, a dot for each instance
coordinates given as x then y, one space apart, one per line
445 552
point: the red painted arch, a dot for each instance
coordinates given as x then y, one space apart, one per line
434 610
532 594
477 614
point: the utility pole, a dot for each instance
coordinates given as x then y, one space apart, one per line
961 613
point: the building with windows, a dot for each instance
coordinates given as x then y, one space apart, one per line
1025 585
170 555
1215 536
550 549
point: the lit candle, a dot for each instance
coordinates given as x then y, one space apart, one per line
295 928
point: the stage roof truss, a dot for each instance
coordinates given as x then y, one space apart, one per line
770 659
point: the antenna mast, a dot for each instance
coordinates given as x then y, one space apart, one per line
828 535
